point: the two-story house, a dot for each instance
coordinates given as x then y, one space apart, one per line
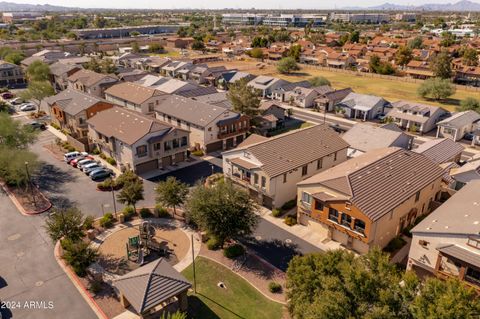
270 168
368 200
447 242
59 73
414 116
11 75
211 127
134 96
136 141
91 82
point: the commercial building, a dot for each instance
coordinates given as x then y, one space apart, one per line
120 32
373 18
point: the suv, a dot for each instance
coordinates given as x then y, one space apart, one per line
38 125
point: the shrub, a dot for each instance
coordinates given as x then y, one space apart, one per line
233 251
95 286
290 220
274 287
55 125
161 211
128 212
145 213
78 255
276 212
394 245
88 222
106 185
213 243
107 220
103 156
96 151
126 177
197 153
111 161
290 204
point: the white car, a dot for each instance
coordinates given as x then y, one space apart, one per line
16 101
28 107
67 157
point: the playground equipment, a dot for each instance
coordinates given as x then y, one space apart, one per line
138 247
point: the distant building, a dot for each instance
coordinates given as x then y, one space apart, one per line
242 18
282 20
360 17
12 17
11 75
406 17
120 32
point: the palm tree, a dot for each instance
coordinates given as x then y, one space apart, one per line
131 193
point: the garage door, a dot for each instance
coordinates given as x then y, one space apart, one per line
267 202
146 167
179 157
214 146
230 143
166 161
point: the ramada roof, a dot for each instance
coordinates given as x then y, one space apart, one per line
380 180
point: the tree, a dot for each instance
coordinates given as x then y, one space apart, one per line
108 67
442 65
65 223
403 56
244 98
38 71
175 315
319 81
79 255
155 48
131 194
222 210
415 43
354 36
295 51
99 22
468 104
15 57
256 53
93 65
287 65
171 193
15 135
448 39
377 66
470 56
259 42
38 90
436 88
198 45
135 47
445 299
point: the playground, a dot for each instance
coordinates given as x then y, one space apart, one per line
134 246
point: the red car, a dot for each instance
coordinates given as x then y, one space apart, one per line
75 161
7 95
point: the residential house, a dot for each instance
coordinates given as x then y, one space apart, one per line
228 78
202 74
173 86
363 138
178 43
417 117
211 127
266 84
462 175
171 69
307 97
441 150
361 106
281 92
368 200
45 56
328 100
459 124
467 75
340 60
218 99
447 242
59 73
130 75
71 109
133 96
270 168
136 141
90 82
419 70
11 75
271 116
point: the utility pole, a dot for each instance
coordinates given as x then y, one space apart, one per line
193 264
30 185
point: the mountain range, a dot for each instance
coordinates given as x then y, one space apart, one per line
463 6
11 6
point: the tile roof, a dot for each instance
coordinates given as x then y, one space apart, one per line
252 139
460 119
364 100
60 68
172 86
132 92
126 125
291 150
72 101
89 78
380 180
150 285
440 150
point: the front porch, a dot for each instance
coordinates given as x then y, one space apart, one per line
454 261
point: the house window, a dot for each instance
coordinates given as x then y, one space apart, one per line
142 150
359 226
417 196
179 122
318 205
184 141
334 156
319 163
175 143
306 198
304 170
285 177
167 145
209 129
473 275
264 181
255 179
157 146
150 107
81 121
346 220
333 214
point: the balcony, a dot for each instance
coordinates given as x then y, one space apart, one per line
230 133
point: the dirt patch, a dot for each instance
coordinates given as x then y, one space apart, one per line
106 298
114 254
56 150
31 199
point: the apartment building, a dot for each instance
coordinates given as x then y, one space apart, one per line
134 96
11 75
90 82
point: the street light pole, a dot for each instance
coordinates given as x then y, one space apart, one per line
30 185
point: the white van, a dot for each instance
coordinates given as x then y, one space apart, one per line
67 157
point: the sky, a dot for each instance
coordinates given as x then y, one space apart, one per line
220 4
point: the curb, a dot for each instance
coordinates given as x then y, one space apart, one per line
76 282
241 276
20 207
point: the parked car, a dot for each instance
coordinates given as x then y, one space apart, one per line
78 159
28 107
100 174
84 162
87 169
38 125
469 136
7 95
67 157
17 101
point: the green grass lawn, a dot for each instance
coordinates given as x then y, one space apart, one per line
238 300
171 54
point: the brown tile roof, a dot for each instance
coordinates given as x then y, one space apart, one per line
380 180
440 150
132 92
126 125
252 139
89 78
291 150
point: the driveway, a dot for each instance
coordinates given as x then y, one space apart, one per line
30 273
190 175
